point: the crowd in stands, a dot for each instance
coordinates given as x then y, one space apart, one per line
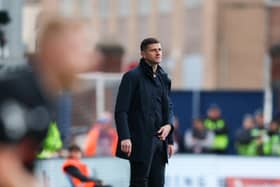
101 140
255 138
211 135
208 135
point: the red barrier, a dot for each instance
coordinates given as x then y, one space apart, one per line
250 182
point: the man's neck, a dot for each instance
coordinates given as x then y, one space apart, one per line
49 82
153 65
47 77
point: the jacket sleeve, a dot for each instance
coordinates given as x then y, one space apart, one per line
170 115
171 122
73 171
123 103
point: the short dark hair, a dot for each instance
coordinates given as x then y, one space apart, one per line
74 148
148 41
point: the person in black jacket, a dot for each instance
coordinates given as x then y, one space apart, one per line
77 171
64 48
24 120
144 118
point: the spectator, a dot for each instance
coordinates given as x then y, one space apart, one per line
178 138
244 138
272 145
259 133
218 126
77 171
102 138
198 139
259 129
52 143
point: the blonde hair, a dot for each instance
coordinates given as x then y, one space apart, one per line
58 25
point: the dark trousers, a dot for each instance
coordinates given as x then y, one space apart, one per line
149 173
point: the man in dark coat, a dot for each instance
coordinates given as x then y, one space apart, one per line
144 118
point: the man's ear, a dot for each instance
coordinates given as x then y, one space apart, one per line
142 54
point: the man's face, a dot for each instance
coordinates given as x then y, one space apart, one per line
75 55
214 113
273 127
153 53
197 124
68 54
248 123
259 120
75 154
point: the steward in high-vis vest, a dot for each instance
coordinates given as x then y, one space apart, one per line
244 140
259 145
271 147
77 172
217 125
102 139
52 143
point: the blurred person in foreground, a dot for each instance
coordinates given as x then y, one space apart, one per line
244 140
17 141
102 138
77 172
64 48
144 118
198 139
215 123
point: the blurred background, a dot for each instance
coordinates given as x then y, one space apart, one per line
222 56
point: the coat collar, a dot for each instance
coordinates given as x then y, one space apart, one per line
148 70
